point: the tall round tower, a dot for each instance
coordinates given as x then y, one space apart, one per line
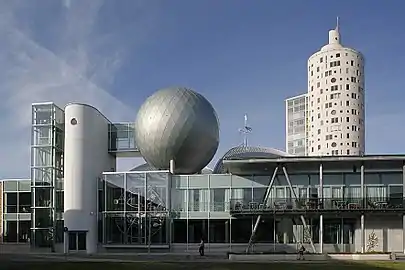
336 100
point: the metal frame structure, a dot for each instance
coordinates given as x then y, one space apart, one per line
47 147
366 165
16 216
153 206
265 202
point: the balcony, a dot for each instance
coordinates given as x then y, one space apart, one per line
290 205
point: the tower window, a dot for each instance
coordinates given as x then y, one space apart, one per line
338 54
334 64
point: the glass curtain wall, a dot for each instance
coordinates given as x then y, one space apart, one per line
201 206
135 208
121 137
17 212
47 174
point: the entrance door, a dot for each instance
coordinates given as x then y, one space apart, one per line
77 241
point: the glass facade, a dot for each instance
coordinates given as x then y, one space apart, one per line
340 191
16 211
296 125
223 208
134 208
47 144
121 137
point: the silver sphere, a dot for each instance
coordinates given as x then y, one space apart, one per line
178 124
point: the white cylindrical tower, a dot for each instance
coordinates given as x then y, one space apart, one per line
86 157
336 100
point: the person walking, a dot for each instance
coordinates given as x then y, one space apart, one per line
301 251
201 248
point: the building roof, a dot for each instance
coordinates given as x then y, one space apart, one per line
308 163
146 168
242 153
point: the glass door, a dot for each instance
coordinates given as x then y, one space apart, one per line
77 241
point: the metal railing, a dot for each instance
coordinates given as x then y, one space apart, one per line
319 204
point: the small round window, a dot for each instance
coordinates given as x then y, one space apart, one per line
333 144
333 80
333 112
73 121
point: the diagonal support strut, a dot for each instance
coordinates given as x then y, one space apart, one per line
265 201
297 202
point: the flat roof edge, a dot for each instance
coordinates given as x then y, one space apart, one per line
293 159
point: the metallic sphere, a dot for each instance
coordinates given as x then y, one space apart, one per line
178 124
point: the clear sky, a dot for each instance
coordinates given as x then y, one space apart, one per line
245 56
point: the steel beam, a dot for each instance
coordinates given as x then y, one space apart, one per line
265 201
297 202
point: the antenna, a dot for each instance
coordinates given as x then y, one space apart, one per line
337 24
246 130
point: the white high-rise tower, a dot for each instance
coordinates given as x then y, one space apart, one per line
335 100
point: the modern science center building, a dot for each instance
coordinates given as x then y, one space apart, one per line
254 200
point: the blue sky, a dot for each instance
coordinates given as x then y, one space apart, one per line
245 56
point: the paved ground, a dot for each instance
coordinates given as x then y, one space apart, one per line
113 257
27 256
126 258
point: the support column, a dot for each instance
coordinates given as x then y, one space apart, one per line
265 200
322 202
274 233
321 234
230 234
297 202
403 233
362 234
169 211
230 218
105 209
188 210
125 228
65 242
403 201
362 225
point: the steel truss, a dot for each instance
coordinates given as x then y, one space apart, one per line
265 202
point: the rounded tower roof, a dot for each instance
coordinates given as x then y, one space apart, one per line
247 152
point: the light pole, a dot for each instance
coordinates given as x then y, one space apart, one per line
149 230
